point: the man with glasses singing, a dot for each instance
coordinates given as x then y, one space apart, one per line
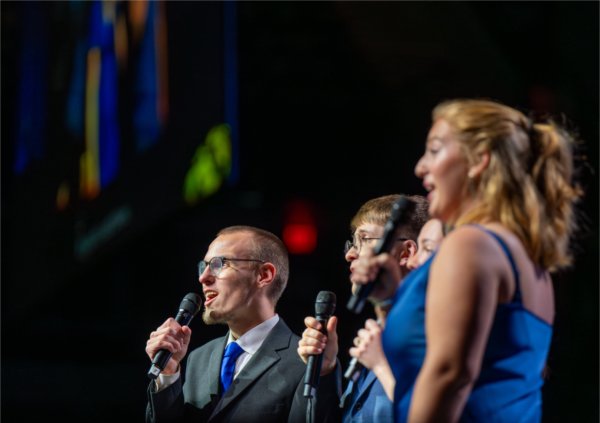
367 397
252 374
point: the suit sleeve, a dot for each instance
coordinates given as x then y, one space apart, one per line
166 405
325 404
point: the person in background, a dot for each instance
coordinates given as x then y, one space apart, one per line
469 331
243 275
430 238
365 398
367 344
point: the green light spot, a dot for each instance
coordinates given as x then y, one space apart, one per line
211 164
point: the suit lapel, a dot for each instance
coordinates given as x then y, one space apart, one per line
208 386
214 370
366 385
266 356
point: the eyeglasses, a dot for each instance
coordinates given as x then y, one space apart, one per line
216 264
357 243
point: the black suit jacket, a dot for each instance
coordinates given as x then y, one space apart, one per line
269 389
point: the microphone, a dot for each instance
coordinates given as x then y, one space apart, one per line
324 309
353 370
384 245
189 307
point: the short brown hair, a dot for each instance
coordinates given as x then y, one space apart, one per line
378 211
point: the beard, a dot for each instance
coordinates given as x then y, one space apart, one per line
213 317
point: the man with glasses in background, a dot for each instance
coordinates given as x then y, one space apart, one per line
367 397
243 275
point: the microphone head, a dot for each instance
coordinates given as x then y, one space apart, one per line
398 209
325 304
401 209
191 303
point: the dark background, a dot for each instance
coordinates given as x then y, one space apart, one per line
334 106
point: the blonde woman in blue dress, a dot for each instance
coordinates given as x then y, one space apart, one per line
469 331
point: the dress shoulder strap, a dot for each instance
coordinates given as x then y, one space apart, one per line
504 246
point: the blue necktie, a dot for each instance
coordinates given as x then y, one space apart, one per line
232 352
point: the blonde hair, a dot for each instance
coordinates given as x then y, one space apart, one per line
527 185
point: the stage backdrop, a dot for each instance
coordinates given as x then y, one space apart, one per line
133 131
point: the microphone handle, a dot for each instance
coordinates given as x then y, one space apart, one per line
356 303
162 357
313 366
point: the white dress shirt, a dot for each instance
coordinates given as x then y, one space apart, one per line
250 342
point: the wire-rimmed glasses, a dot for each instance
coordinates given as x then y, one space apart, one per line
216 264
358 242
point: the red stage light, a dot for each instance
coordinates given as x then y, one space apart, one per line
300 238
299 228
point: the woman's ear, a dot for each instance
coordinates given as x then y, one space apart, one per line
476 169
266 274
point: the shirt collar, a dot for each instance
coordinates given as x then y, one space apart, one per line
253 339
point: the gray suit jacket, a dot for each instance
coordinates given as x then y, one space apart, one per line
269 389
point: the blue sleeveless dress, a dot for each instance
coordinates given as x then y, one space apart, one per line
508 388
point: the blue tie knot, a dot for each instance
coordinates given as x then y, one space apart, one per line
232 352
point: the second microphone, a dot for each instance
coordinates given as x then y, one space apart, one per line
324 309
